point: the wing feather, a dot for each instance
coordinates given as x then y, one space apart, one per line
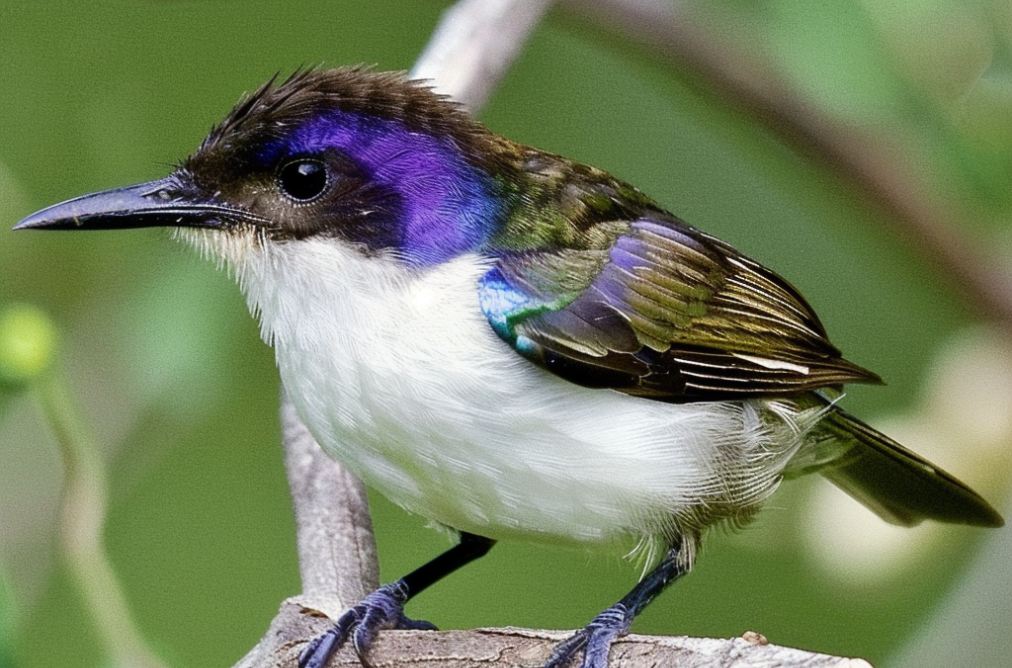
631 298
598 285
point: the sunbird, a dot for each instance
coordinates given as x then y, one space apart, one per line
512 344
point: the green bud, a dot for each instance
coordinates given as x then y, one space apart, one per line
27 344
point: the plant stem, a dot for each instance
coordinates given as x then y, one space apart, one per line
82 520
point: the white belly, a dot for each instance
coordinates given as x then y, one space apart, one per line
399 376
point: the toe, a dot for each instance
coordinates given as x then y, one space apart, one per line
317 652
567 649
595 640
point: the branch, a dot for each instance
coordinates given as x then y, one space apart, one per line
468 54
864 159
523 648
28 354
475 44
336 546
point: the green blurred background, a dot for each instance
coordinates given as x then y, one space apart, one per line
168 367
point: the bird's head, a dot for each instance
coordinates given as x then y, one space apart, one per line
370 161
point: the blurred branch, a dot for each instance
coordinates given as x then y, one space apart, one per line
470 51
27 353
475 44
82 518
862 159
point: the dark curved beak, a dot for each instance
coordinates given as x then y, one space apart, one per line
152 204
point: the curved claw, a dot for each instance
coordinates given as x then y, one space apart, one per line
382 609
595 639
565 650
317 652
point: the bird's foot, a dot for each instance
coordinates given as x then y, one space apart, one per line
382 609
595 640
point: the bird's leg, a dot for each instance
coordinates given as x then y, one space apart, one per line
595 640
384 608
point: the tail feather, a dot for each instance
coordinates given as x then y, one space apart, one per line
897 484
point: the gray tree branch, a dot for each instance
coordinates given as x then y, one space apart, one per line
337 550
468 54
474 46
523 648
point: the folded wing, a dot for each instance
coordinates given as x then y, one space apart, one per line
665 312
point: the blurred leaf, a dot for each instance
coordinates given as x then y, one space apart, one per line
27 344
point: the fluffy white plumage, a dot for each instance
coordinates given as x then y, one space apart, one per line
398 374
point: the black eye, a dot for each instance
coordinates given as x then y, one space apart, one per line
303 180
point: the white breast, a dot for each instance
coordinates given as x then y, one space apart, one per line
398 374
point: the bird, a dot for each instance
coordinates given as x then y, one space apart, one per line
512 344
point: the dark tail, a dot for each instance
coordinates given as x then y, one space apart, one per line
898 485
